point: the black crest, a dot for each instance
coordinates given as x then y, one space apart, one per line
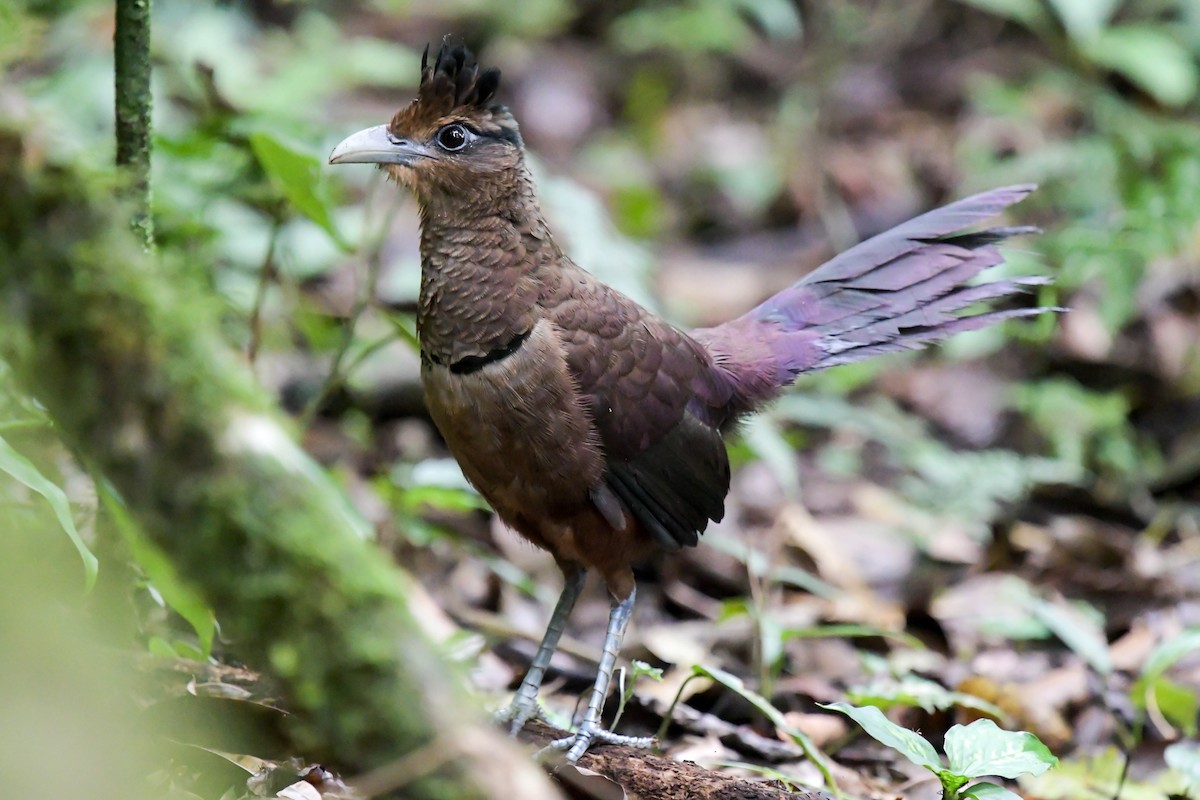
454 80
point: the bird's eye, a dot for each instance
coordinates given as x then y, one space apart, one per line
452 138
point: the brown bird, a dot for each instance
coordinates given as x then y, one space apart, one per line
594 428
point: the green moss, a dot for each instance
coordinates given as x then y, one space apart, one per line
122 350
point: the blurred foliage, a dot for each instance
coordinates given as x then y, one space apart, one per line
702 124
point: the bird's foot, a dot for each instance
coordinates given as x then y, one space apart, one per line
590 733
518 712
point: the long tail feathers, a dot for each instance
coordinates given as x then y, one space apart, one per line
900 290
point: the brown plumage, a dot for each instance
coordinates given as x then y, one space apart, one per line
592 427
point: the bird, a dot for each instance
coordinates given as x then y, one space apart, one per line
593 427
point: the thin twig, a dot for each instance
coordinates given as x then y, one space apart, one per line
1124 775
372 249
266 274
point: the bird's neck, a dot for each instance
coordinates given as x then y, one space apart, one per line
482 255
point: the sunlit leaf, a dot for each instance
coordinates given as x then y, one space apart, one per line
1171 650
1102 775
1184 758
1080 628
779 19
983 748
909 744
1177 703
913 690
23 471
1150 58
1084 19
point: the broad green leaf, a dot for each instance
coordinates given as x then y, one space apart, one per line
780 19
1150 58
1184 758
909 744
23 471
989 791
912 690
1080 627
297 174
983 748
1168 652
1098 777
175 592
1179 704
1084 20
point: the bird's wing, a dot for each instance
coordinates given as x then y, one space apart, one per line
638 377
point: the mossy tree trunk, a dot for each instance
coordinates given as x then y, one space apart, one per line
123 351
132 69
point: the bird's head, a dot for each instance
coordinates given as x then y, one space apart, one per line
453 140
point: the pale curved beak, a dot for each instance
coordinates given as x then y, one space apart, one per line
377 146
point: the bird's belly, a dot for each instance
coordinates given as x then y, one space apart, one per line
520 432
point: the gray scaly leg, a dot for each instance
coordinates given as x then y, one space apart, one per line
524 705
590 730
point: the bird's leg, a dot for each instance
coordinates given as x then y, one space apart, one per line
590 730
524 705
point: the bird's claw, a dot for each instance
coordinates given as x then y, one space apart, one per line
589 733
518 712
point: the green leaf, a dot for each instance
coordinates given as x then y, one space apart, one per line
175 592
765 439
852 631
642 669
1150 58
738 687
1184 758
297 174
778 18
951 782
1084 20
913 690
1080 627
982 748
909 744
1098 777
989 791
1164 656
1176 702
23 471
